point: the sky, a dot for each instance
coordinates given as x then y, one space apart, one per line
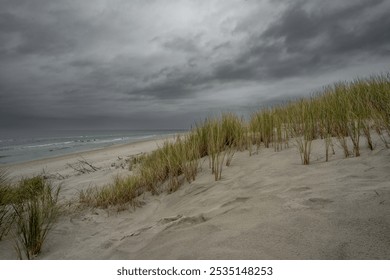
148 64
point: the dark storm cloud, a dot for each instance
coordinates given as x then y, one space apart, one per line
305 42
340 31
155 60
299 42
188 45
173 83
32 36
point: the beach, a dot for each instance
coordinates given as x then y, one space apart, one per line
266 206
109 161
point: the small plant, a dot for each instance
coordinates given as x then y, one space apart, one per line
216 143
28 188
6 215
229 153
325 121
136 160
6 219
190 163
122 191
302 128
234 133
34 215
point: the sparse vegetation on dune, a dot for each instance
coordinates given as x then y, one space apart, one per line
28 211
345 111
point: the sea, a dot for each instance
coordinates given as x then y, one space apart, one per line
22 147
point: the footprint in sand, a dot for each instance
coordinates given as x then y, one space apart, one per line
137 232
317 202
311 203
235 201
187 221
108 244
167 220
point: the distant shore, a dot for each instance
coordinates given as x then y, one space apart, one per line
19 149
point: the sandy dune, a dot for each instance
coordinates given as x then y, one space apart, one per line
267 206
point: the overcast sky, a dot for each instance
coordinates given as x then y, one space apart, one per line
166 64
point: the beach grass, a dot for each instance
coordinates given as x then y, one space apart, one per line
344 112
5 208
29 210
34 218
120 192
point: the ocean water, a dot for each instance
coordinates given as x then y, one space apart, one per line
17 147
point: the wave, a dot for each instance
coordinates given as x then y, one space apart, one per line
48 145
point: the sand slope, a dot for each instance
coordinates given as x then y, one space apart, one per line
267 206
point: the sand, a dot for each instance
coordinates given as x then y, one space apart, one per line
266 206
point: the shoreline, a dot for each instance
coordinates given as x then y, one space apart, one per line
23 156
98 156
88 151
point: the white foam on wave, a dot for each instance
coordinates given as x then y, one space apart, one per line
48 145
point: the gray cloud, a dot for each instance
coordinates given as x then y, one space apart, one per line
150 63
305 42
300 42
343 30
188 45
